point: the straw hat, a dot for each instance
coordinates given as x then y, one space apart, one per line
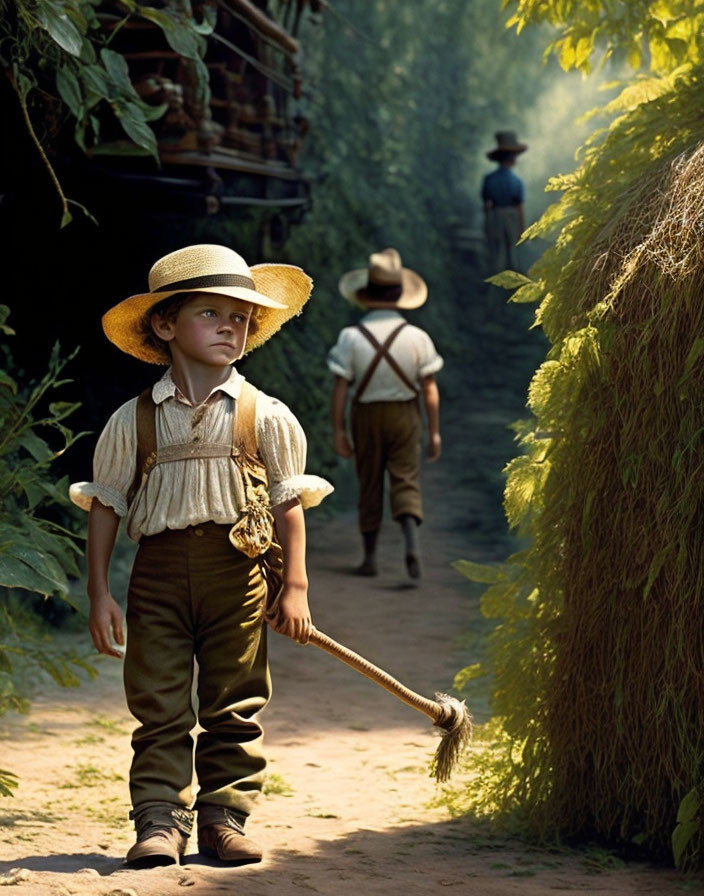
506 142
279 291
384 284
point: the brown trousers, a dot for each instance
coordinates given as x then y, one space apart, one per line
386 438
192 594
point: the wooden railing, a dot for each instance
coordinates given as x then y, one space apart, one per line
252 59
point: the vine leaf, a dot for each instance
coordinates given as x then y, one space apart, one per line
70 91
135 126
60 28
509 280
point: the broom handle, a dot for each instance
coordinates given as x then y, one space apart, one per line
429 707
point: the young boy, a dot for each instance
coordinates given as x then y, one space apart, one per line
191 593
391 363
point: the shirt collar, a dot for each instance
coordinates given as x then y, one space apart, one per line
167 388
382 314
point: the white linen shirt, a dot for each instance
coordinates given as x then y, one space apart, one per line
196 490
412 349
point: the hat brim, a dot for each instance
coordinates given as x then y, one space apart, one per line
505 150
281 291
414 291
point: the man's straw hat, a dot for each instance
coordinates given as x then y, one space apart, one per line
278 292
384 284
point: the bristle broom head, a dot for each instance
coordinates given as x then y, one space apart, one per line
456 723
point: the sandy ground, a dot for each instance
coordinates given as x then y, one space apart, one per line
347 808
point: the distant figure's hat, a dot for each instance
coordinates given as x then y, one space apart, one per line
506 143
384 284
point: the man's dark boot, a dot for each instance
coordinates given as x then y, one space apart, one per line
162 834
368 565
221 835
409 527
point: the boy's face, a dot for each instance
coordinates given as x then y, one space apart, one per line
209 329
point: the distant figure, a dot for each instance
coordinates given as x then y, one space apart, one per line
503 195
391 365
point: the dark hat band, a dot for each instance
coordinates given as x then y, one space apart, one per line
207 281
379 292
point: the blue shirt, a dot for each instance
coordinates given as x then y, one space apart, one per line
502 187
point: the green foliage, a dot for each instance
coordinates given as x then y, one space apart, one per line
28 652
659 34
57 52
688 825
37 553
8 782
65 39
525 289
478 572
26 649
274 785
595 661
509 280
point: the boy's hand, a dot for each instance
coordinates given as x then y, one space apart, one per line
434 447
293 617
105 619
342 444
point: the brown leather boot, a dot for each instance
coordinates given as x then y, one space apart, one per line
162 834
221 835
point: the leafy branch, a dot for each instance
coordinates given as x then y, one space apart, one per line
658 34
60 50
35 553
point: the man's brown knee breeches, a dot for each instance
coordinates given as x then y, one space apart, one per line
387 438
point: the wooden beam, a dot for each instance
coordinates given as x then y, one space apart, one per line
268 72
288 202
230 160
262 23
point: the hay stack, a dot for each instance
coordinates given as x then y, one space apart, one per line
624 718
599 662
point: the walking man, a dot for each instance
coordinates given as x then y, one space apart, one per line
390 364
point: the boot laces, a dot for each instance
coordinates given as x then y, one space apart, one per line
155 819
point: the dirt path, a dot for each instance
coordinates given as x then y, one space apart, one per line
347 807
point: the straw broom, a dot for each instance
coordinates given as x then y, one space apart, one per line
447 713
253 535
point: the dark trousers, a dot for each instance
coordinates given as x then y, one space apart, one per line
387 440
192 595
503 230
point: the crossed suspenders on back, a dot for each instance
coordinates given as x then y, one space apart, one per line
382 353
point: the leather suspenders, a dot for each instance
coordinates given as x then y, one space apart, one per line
244 439
382 352
146 441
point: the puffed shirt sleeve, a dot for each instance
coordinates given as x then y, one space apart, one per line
429 361
114 463
282 446
340 356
